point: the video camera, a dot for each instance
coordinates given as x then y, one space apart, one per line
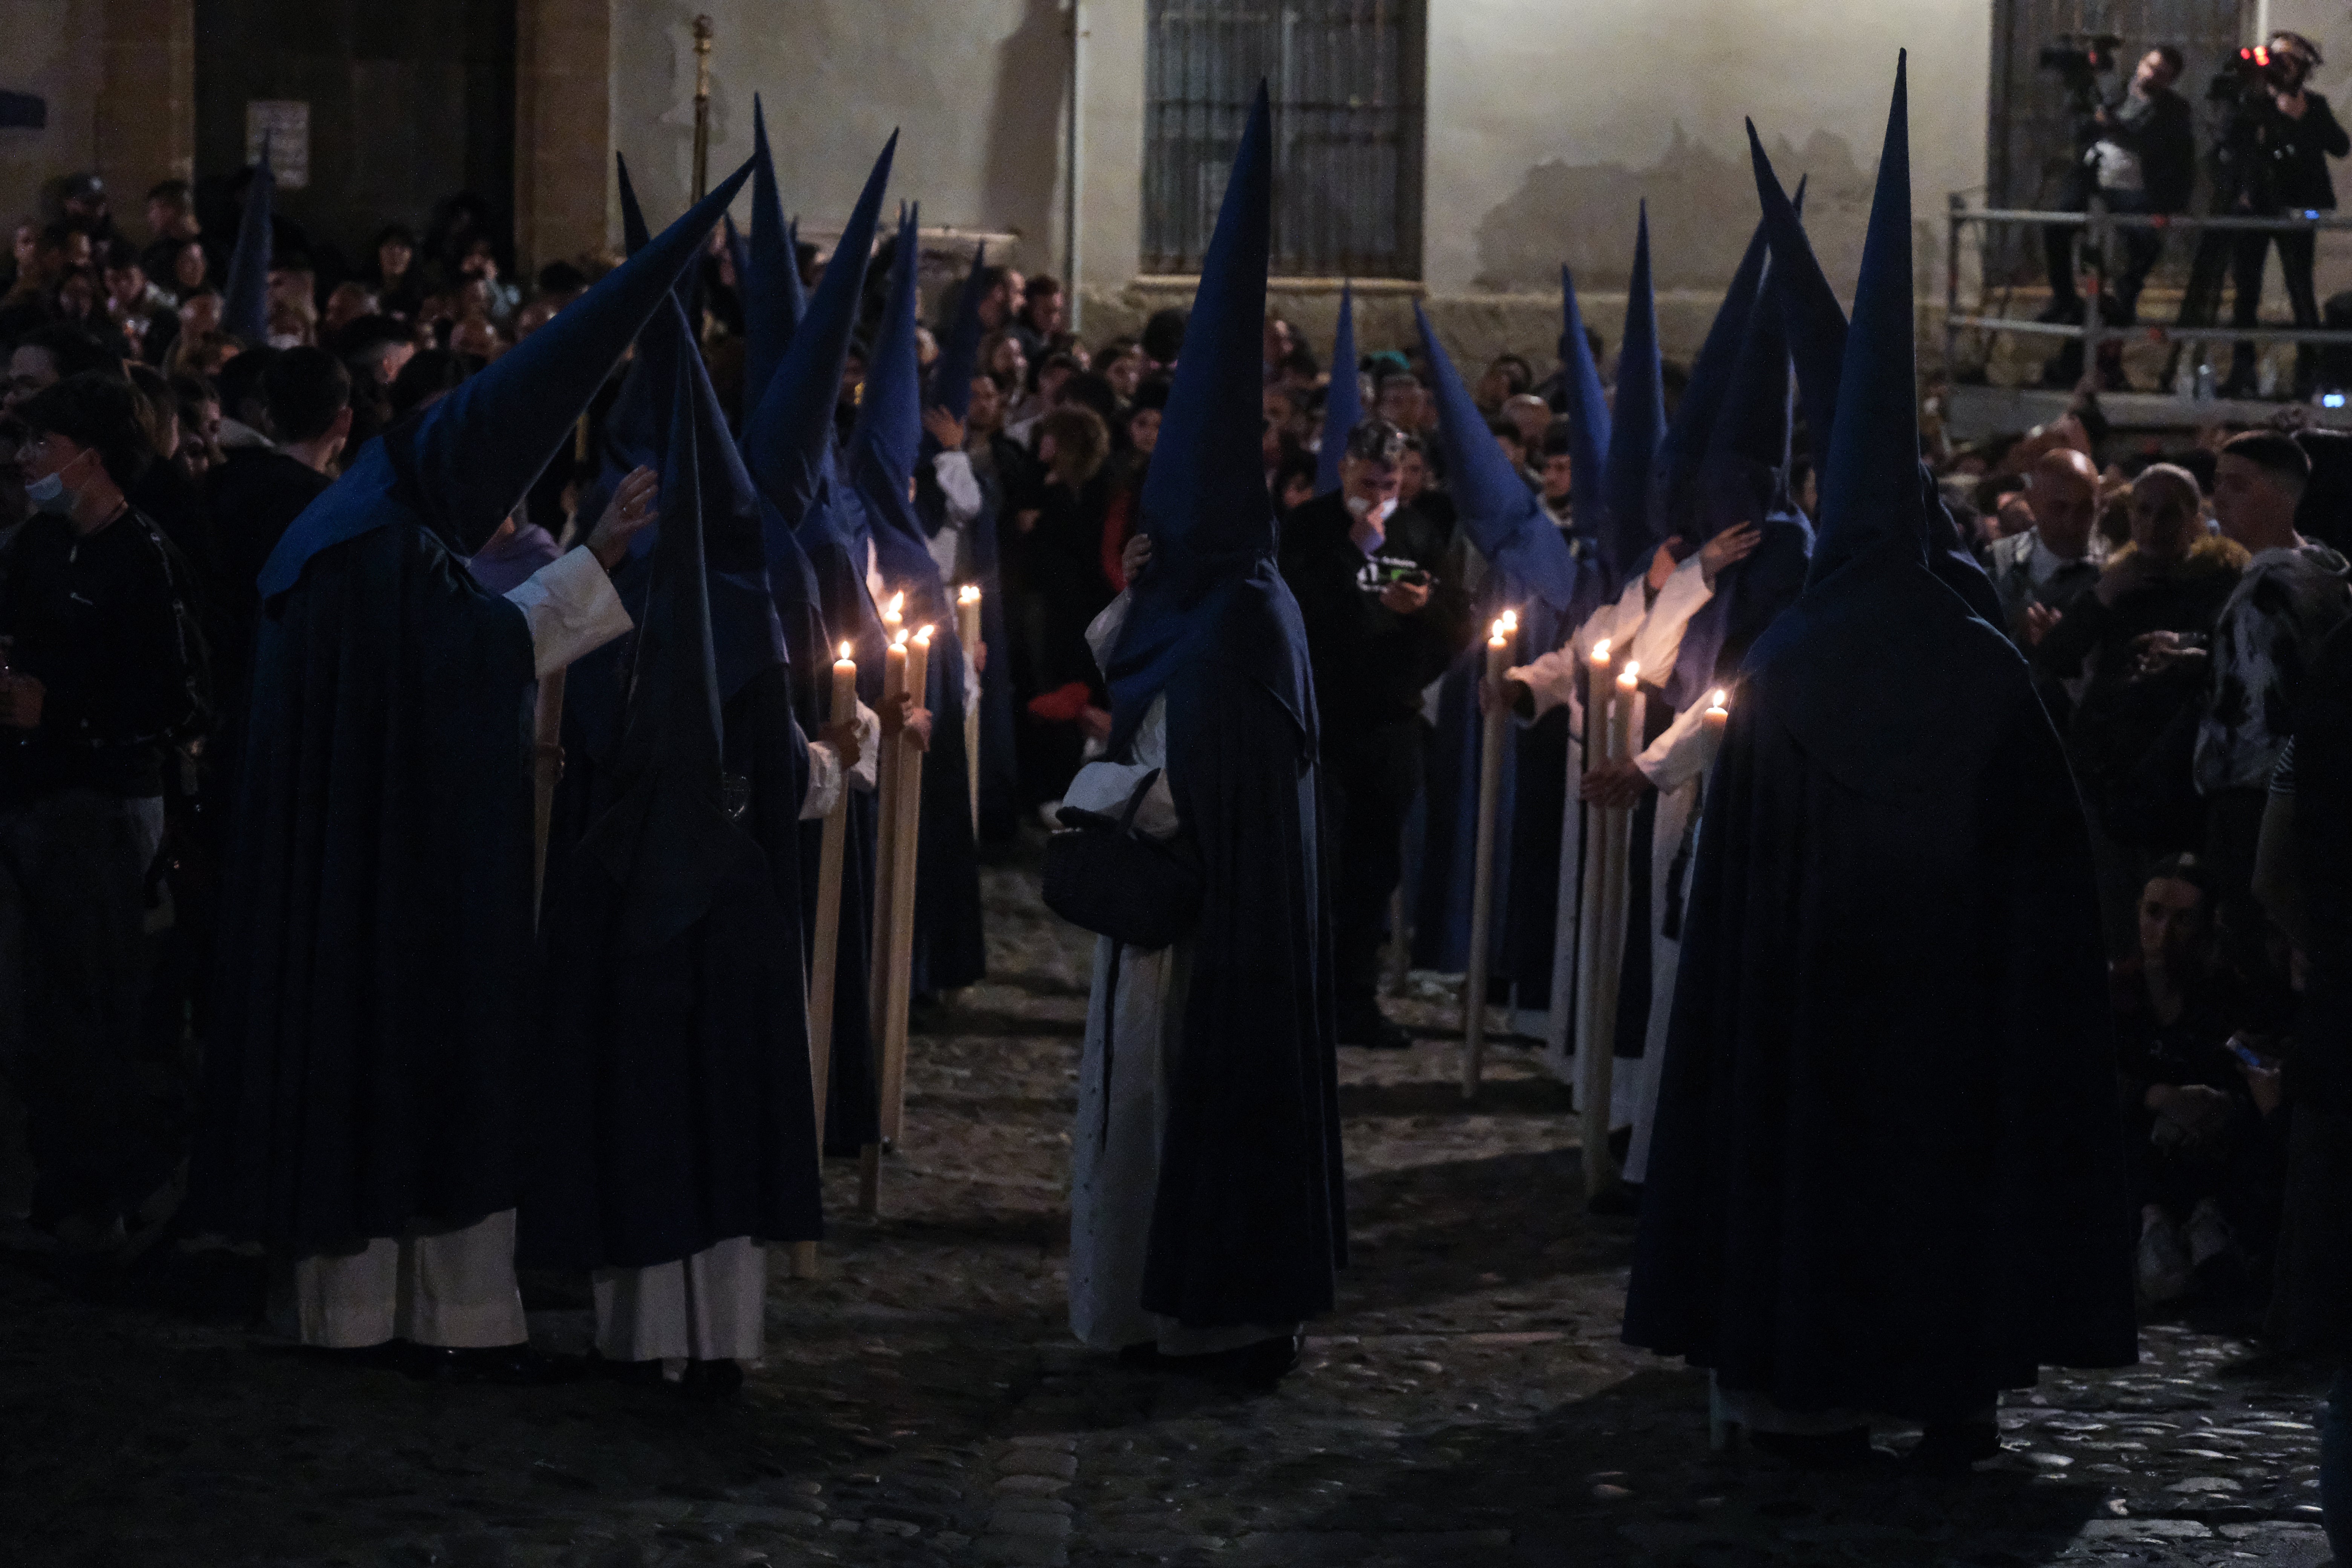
2252 71
2080 59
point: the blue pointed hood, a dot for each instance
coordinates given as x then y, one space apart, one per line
245 296
769 278
1871 499
959 351
751 579
889 429
786 436
1497 511
635 235
1204 500
1629 535
1816 322
666 839
463 463
1588 410
1675 474
1343 403
1754 421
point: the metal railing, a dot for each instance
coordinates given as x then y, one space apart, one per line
2102 226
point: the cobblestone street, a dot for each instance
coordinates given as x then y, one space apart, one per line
921 1404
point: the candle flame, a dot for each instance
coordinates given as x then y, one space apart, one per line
895 608
968 595
1510 621
1600 651
1633 672
901 640
924 636
844 653
1717 701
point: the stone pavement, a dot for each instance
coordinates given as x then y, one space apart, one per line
1468 1403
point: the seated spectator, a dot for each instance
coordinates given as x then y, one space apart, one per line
104 678
479 268
191 269
80 301
1507 376
349 302
2203 1167
172 222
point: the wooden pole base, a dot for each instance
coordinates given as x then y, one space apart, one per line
870 1180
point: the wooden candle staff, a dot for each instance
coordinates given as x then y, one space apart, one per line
901 971
967 632
1499 638
1601 675
825 958
1597 1064
894 685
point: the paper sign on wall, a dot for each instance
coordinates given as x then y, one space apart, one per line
285 122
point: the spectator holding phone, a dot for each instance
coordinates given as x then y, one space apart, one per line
1383 622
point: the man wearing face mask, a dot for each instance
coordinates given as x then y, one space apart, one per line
1383 622
101 674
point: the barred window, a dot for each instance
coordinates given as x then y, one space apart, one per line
1345 76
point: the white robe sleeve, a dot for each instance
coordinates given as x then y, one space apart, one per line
824 767
571 608
958 484
1659 642
1551 679
875 589
1685 751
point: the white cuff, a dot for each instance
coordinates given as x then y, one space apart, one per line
867 775
824 782
1685 751
571 608
1659 642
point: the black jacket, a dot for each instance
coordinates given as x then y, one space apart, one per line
102 621
2163 134
2268 162
1370 664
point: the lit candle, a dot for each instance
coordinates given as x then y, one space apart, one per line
844 687
1498 647
894 614
1601 653
894 667
1716 716
1621 712
968 617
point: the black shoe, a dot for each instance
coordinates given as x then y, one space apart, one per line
1954 1447
1816 1451
393 1355
1377 1032
1257 1367
711 1382
2063 309
1618 1200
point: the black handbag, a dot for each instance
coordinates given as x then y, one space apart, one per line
1103 876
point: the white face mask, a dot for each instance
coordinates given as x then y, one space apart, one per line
1361 507
50 494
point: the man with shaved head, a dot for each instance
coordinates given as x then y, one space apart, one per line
2050 563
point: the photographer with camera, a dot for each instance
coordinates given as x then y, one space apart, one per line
1383 622
2270 158
2136 154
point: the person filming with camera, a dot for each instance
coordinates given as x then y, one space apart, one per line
2136 154
2270 159
1385 613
